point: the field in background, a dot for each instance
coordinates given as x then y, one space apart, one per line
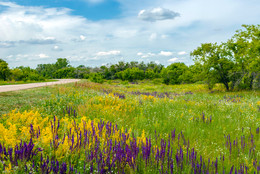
143 128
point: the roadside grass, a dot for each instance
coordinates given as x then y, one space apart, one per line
23 100
24 82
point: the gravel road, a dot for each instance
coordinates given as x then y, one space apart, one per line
6 88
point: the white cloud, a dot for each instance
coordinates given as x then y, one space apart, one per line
40 41
146 55
82 37
164 36
175 59
157 14
182 53
109 53
6 44
30 30
125 33
157 62
37 25
153 36
42 56
57 48
165 53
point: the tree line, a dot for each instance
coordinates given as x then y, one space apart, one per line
235 64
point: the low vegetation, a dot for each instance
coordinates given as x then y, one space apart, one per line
132 128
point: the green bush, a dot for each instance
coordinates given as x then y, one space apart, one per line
96 77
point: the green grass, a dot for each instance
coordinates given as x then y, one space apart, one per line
23 99
24 82
204 117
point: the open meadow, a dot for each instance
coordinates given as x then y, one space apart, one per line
117 127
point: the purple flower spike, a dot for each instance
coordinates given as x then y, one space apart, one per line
231 170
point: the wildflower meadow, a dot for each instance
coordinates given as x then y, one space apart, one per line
117 127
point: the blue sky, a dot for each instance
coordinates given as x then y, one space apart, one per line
92 10
98 32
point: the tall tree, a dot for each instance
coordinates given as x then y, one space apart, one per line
245 49
4 70
217 62
62 63
172 74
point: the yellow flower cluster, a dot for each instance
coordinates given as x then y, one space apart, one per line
17 125
59 136
149 98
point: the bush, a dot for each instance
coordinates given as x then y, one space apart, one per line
96 77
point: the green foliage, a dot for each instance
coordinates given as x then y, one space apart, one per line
16 74
96 77
235 63
150 74
46 70
28 74
216 61
131 74
61 63
245 49
67 72
4 70
174 73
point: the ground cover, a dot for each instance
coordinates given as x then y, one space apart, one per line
24 82
131 128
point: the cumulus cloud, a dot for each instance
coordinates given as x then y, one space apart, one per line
42 56
38 29
37 25
182 53
6 44
146 55
157 14
165 53
149 54
57 48
82 37
42 41
18 57
108 53
172 60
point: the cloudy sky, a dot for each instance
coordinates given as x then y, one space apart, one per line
96 32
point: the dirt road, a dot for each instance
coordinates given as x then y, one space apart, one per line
6 88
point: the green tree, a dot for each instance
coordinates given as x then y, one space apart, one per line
4 70
16 74
46 70
29 74
68 72
245 49
96 77
150 74
131 74
217 62
173 73
61 63
197 72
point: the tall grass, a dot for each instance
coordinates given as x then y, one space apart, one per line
221 127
